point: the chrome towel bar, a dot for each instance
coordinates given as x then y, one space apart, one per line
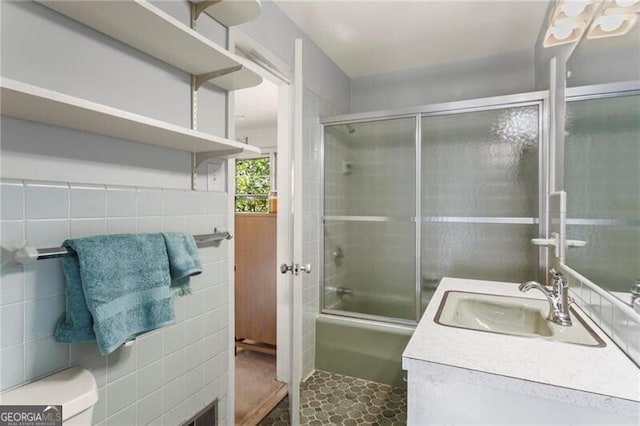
29 254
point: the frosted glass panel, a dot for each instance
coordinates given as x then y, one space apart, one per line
481 163
495 252
602 181
369 168
369 268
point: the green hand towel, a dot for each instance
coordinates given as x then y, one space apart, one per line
117 287
184 261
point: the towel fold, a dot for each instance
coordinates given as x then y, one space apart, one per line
118 286
184 261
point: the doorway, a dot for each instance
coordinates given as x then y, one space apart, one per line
260 117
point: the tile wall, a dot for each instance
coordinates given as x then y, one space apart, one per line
168 375
313 108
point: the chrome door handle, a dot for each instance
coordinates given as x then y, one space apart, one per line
303 268
284 268
295 269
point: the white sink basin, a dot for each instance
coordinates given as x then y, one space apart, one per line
516 316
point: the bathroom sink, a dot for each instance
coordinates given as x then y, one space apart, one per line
516 316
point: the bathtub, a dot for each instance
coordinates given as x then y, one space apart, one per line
370 350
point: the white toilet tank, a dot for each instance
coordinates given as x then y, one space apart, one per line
75 389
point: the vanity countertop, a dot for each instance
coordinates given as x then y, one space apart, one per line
600 370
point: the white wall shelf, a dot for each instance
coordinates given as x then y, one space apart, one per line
143 26
229 12
33 103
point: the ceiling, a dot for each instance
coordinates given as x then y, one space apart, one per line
257 106
373 36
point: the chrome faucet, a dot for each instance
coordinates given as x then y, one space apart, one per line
558 297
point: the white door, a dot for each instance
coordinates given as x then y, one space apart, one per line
290 240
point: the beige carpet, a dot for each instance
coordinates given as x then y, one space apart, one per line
257 390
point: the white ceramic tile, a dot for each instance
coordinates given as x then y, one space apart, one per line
173 338
176 415
122 226
88 201
46 233
174 224
12 200
44 356
150 407
180 306
126 417
100 408
174 365
150 224
121 393
195 304
98 367
174 393
88 227
195 330
150 378
173 203
149 202
196 202
212 345
11 367
195 380
121 362
46 201
44 278
11 284
12 233
195 355
150 348
82 351
11 325
41 316
121 202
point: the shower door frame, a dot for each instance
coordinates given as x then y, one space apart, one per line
537 98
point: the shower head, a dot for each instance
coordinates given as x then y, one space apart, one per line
350 129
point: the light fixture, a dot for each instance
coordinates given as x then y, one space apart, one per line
563 31
579 10
611 25
570 19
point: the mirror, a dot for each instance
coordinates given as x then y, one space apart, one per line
602 160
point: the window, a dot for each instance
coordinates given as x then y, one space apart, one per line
253 184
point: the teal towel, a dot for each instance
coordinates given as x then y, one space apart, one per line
184 261
117 287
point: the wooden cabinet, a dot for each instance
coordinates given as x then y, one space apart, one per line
255 277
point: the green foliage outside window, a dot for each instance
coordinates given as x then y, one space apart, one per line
252 185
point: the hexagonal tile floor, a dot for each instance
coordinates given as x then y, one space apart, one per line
333 399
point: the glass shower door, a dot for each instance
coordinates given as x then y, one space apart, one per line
480 196
369 227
